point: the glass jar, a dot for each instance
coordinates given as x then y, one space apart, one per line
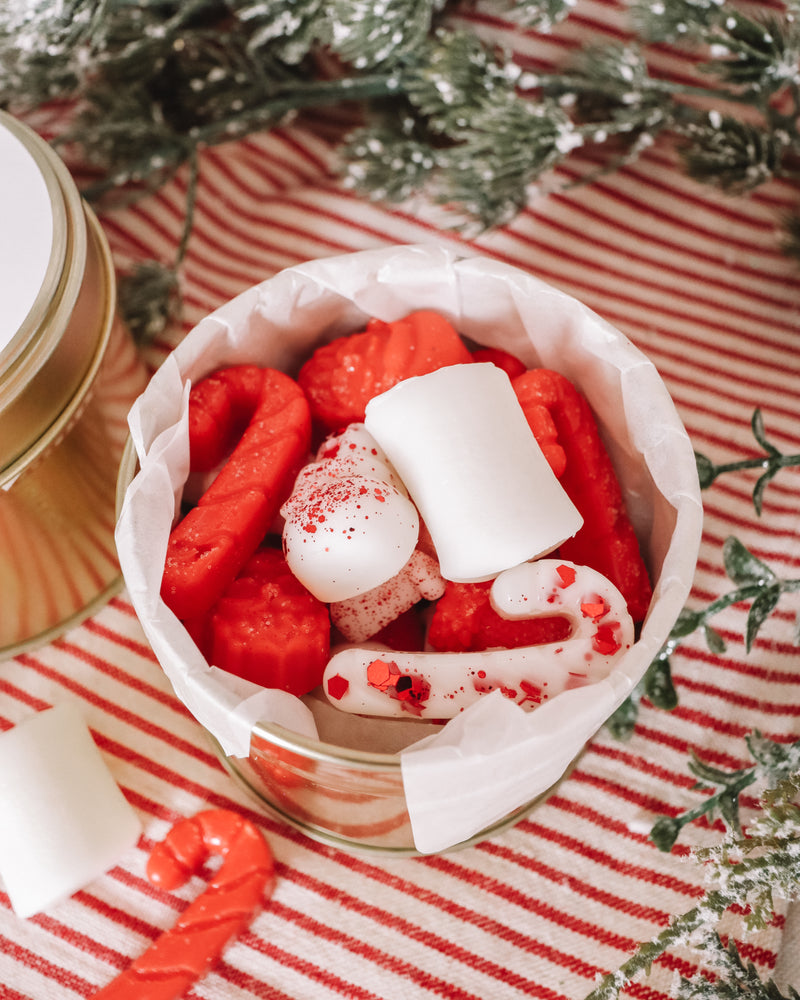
69 373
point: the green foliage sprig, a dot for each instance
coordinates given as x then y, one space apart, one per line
772 462
750 869
775 763
756 582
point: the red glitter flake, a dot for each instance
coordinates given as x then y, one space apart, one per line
532 693
594 607
509 693
566 575
604 641
310 528
338 686
411 690
382 675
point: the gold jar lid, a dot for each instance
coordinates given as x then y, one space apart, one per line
52 311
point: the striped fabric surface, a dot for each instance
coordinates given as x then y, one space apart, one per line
699 283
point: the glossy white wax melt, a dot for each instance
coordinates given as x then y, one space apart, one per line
63 819
461 443
375 680
344 536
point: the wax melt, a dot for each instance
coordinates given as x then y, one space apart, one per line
209 547
348 536
63 819
361 617
376 681
184 953
349 526
462 446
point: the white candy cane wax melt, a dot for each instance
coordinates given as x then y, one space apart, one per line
461 444
63 819
379 681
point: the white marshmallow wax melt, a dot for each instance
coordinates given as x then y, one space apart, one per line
63 819
461 444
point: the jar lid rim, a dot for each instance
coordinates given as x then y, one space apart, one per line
34 236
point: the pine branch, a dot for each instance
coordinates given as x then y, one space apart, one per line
540 14
679 931
367 34
733 979
149 294
747 871
156 152
613 96
451 118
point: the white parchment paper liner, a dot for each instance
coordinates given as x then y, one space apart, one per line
495 757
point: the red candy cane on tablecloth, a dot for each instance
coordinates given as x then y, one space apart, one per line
184 953
371 680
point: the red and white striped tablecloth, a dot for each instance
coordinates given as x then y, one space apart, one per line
698 282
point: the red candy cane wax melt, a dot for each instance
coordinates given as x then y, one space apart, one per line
185 952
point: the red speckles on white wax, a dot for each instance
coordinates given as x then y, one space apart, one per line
362 616
344 536
602 631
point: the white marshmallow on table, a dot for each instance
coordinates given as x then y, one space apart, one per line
63 819
460 442
375 680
